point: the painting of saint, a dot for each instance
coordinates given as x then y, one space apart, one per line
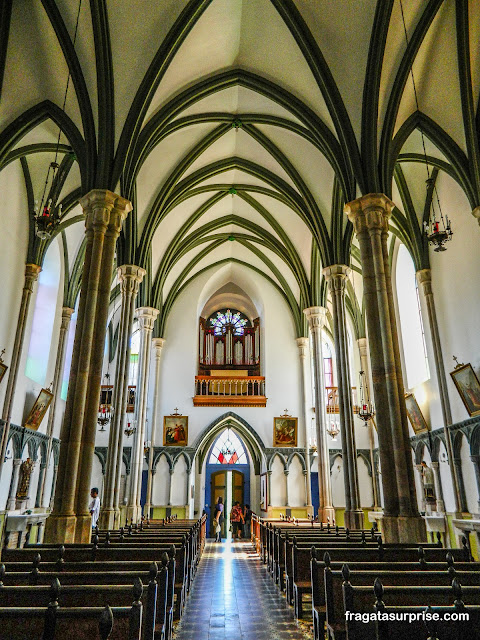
285 432
468 387
175 431
39 409
415 415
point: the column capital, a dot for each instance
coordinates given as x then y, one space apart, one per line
362 346
105 208
146 317
130 277
369 212
66 317
316 317
476 214
158 344
336 275
424 278
302 344
32 272
434 464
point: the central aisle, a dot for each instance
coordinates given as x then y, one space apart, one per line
234 598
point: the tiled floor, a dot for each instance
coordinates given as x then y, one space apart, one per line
234 598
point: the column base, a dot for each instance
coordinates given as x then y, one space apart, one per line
83 530
109 519
134 513
354 519
403 529
60 529
310 510
326 514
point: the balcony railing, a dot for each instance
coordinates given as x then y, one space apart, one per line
331 400
230 392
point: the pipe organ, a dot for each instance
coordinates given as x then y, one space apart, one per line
229 344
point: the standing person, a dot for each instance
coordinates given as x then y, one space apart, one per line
236 518
218 519
94 506
247 517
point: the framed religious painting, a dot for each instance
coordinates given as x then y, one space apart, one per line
39 409
3 370
285 431
418 422
131 396
175 431
468 386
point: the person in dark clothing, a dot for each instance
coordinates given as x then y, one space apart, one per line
218 519
247 517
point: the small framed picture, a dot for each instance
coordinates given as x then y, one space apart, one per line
285 431
175 431
415 415
39 409
131 397
3 370
468 386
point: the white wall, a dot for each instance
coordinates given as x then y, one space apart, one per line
296 484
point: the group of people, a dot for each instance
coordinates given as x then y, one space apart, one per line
240 520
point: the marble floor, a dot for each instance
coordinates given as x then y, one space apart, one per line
234 598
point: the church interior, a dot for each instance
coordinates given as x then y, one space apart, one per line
241 262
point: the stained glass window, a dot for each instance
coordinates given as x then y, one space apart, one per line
220 320
228 449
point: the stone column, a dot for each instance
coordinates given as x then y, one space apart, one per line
31 276
401 521
12 500
303 352
336 276
269 489
70 521
476 466
54 482
170 484
40 485
461 484
316 320
419 469
130 277
158 344
287 502
440 506
424 279
56 390
146 319
362 348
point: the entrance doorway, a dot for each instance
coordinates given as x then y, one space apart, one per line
229 485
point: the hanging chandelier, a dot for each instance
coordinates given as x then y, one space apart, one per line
366 410
333 429
130 428
437 227
47 213
105 409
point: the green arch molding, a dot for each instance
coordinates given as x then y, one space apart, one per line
248 434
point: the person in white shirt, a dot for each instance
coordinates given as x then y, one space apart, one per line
94 507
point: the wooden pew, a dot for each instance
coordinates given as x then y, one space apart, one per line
53 622
358 600
449 567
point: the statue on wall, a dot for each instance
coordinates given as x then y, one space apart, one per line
24 482
428 483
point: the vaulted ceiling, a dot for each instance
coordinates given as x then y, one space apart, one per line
239 128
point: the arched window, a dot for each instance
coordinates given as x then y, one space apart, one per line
228 449
220 320
327 365
413 338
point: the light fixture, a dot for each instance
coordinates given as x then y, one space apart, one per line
437 227
333 429
105 409
366 410
130 428
47 213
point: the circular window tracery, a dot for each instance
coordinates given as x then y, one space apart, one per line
221 320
